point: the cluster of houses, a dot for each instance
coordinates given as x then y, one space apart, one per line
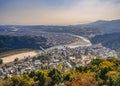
63 59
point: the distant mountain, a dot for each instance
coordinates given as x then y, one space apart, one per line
97 22
87 30
106 26
96 28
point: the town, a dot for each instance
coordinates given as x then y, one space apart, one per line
61 58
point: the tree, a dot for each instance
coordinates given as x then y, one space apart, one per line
16 81
80 68
67 77
22 80
96 61
6 82
103 73
41 78
56 76
16 59
1 61
32 74
79 79
114 78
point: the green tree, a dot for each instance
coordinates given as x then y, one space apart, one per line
41 78
96 61
80 68
103 73
1 61
56 76
16 81
117 83
32 74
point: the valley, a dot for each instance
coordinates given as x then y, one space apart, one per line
54 47
59 42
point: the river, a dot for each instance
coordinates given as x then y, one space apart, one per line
82 41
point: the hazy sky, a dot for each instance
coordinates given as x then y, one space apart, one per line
57 11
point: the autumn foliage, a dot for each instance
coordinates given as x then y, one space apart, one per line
97 73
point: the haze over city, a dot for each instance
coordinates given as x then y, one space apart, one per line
57 12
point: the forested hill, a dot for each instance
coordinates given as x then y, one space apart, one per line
21 42
108 40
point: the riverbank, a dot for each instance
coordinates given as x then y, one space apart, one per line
80 42
20 56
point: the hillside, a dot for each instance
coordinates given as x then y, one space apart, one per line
21 42
108 40
106 26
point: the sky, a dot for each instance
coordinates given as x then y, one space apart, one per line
57 12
